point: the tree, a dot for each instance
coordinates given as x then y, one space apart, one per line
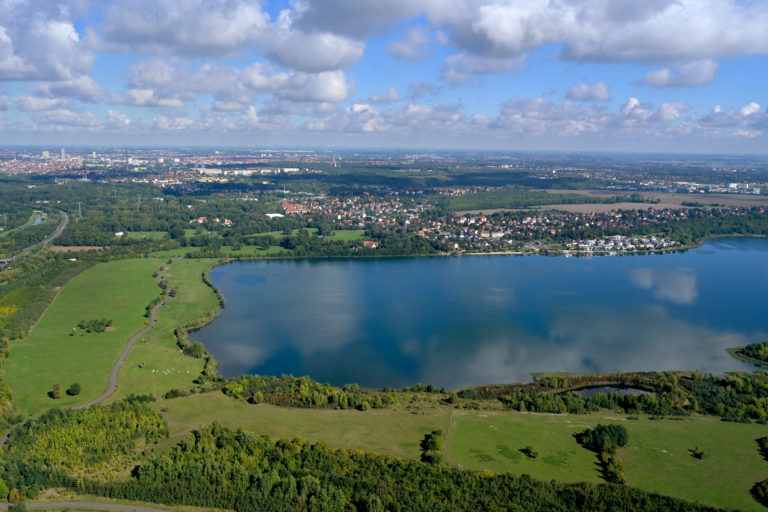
55 393
74 389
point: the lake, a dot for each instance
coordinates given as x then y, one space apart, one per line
458 321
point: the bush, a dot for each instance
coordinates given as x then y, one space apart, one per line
604 438
74 389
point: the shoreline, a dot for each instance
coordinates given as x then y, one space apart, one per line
211 316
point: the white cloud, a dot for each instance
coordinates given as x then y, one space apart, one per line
145 98
207 28
38 41
83 88
329 86
698 72
584 92
618 30
34 104
414 46
319 51
165 123
461 67
749 109
389 96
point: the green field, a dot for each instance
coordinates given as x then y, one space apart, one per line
346 235
248 251
392 432
657 458
164 366
146 235
119 291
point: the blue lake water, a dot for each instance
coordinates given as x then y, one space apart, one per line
456 321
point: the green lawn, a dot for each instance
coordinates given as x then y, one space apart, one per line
347 235
164 366
657 457
119 291
393 432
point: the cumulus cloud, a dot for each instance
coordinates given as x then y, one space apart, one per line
389 96
698 72
414 46
34 104
314 52
145 98
83 88
38 41
461 67
584 92
660 30
207 28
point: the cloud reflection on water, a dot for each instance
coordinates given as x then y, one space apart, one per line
456 322
678 285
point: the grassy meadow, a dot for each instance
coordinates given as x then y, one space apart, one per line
164 366
393 432
119 291
657 458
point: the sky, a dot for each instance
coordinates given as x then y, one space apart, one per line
593 75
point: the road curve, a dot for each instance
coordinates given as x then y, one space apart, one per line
85 505
120 360
57 232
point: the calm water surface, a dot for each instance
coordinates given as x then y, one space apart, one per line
490 319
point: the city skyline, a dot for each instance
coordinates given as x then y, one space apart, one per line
681 76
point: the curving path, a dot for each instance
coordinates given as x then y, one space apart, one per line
86 505
120 360
57 232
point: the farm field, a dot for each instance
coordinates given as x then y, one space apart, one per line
666 200
118 291
392 432
657 458
674 200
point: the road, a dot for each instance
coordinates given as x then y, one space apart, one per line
120 360
59 230
85 505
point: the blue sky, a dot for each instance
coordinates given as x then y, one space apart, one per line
614 75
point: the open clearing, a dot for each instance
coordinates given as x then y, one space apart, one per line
119 291
163 365
146 235
393 432
657 458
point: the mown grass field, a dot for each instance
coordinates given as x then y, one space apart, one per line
657 458
165 367
119 291
393 432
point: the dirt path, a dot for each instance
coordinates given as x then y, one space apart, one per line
123 355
